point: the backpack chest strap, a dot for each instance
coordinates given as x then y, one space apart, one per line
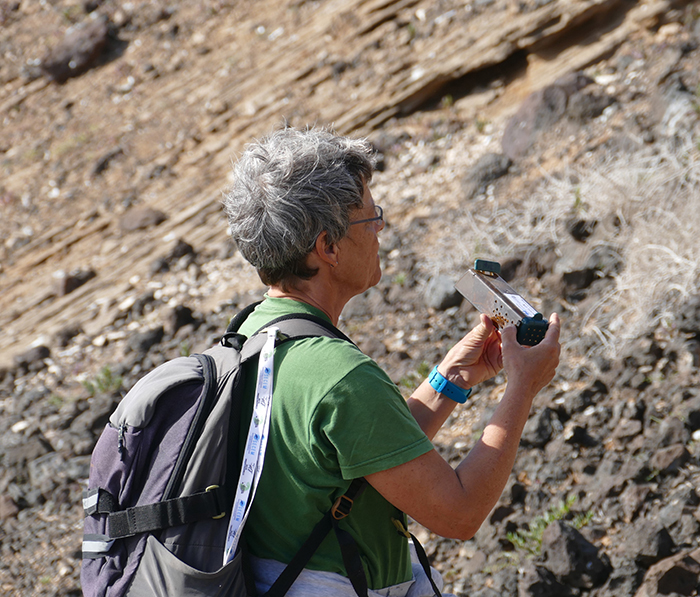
154 517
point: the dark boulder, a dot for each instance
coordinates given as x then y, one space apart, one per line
537 581
33 359
68 282
669 460
573 559
78 51
142 342
440 294
539 428
677 575
488 167
539 112
140 218
650 541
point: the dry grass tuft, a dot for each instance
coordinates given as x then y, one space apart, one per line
648 204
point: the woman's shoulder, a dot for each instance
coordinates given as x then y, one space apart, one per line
331 366
325 352
331 357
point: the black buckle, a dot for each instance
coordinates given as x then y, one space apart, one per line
342 507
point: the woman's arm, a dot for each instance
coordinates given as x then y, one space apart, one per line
455 502
475 358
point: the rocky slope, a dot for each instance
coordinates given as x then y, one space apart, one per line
557 137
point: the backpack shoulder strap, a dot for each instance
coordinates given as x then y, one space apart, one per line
349 550
240 317
209 392
292 327
297 325
169 511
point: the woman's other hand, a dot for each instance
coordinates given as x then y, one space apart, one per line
531 368
476 357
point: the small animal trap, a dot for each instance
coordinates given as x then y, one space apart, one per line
490 294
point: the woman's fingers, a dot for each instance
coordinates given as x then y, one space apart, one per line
532 367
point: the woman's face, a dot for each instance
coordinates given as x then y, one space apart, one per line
358 265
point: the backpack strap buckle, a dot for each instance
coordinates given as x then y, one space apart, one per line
99 501
342 507
218 516
401 529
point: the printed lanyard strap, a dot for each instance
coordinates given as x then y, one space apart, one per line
254 454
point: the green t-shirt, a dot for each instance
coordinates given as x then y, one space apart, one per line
336 416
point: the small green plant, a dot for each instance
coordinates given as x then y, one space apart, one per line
582 519
652 475
185 349
409 382
530 540
411 28
481 124
70 144
413 379
31 154
423 370
400 278
105 382
447 101
55 400
72 14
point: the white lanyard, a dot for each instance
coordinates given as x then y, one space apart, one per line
254 454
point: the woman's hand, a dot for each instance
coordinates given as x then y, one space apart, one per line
531 368
476 357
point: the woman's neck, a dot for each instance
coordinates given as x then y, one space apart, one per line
309 297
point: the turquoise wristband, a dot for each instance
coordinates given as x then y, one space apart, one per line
447 388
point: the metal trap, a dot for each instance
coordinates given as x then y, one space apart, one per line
490 294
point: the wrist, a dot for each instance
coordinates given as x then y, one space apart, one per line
447 388
452 374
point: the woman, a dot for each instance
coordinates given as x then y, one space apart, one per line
301 212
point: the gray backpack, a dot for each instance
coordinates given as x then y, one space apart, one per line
163 475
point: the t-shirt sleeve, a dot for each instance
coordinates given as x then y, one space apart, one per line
368 423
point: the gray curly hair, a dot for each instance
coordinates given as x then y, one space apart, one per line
287 189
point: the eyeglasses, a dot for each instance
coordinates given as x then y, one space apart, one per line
377 218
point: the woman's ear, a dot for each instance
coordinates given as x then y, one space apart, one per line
327 252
